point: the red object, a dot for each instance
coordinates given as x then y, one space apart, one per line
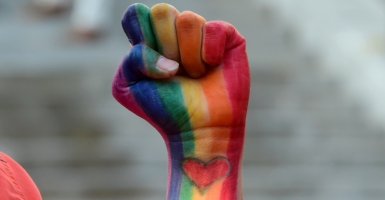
15 183
203 174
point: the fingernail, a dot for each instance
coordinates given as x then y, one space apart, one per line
166 64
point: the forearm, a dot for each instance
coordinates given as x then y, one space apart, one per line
201 111
206 164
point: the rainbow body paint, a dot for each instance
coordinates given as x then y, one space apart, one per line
202 120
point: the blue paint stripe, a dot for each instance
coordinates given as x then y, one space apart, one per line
148 98
131 64
176 156
131 25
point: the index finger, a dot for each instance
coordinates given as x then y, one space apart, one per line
136 25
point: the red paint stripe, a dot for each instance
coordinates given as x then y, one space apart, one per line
237 76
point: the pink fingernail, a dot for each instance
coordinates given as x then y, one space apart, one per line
166 64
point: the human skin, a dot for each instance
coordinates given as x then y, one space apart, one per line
198 103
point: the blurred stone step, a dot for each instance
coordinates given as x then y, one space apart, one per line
292 96
78 150
131 196
266 149
58 48
251 196
320 179
306 195
305 122
87 180
354 150
58 118
278 179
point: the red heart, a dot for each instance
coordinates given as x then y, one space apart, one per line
203 174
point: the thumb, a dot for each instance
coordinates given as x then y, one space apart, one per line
143 62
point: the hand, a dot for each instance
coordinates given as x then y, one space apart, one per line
190 80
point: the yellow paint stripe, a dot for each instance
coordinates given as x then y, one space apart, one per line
163 17
196 105
209 117
213 192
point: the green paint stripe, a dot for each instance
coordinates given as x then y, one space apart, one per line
188 143
171 94
186 192
158 43
143 13
150 57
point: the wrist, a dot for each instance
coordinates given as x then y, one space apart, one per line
206 163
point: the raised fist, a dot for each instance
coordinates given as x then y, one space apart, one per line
189 79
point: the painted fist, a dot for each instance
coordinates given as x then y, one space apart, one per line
189 79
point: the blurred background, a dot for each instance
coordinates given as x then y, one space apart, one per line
316 120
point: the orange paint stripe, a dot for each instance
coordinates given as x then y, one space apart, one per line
220 111
189 30
212 193
211 143
220 145
215 189
218 103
